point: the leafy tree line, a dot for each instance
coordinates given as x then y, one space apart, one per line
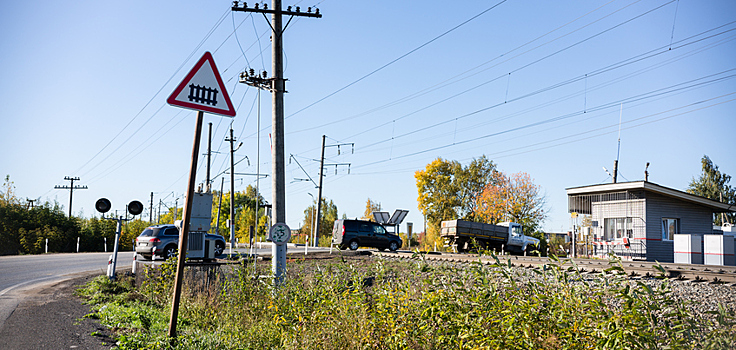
25 229
328 215
477 192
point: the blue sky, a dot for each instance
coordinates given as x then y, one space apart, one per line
536 86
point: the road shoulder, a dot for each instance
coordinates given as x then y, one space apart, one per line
52 317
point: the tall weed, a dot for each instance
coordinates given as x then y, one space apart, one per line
385 304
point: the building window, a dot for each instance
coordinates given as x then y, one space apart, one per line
670 227
617 228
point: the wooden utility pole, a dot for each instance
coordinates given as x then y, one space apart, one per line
71 189
184 233
209 157
277 89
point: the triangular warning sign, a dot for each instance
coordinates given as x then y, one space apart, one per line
202 90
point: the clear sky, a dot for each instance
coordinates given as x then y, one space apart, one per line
537 86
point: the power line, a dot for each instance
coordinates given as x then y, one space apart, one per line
460 77
538 123
217 24
396 59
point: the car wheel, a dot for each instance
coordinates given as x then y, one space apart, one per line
353 245
393 246
219 248
169 251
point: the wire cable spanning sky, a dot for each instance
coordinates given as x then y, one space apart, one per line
536 86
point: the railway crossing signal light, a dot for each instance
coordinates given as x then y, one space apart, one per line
135 208
103 205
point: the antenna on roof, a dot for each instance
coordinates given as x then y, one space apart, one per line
646 172
618 151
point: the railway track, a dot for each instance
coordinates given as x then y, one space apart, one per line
634 269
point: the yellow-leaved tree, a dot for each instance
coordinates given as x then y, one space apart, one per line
513 198
449 191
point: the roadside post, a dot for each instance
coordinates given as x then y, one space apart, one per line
201 90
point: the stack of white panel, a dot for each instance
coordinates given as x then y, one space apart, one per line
719 250
688 249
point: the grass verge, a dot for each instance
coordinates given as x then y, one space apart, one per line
367 303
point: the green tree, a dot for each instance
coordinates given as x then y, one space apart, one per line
7 192
94 232
327 219
449 191
471 182
245 204
714 185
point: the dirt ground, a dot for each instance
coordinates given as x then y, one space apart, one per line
51 317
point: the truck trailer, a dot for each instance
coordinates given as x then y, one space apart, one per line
463 236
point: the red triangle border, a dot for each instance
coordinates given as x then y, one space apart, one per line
230 111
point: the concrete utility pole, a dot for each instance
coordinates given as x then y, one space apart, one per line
277 120
232 189
321 176
150 211
319 194
71 189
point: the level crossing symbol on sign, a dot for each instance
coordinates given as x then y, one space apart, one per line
202 90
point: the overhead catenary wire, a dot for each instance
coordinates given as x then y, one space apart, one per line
466 74
599 132
176 72
499 104
397 59
570 81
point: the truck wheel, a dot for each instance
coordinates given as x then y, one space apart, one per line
353 245
393 246
219 248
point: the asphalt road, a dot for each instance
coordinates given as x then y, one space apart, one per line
22 273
